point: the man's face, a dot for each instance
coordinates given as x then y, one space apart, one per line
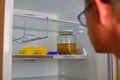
96 32
103 28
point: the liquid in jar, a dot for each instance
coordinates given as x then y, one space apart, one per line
66 43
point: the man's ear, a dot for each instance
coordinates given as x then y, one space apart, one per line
104 11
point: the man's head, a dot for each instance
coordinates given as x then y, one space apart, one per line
103 24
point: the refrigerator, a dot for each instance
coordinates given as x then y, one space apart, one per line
38 22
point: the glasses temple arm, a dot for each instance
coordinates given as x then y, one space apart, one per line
78 17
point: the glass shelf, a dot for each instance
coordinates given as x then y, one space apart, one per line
32 57
49 78
35 23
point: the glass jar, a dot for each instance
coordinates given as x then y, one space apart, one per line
66 43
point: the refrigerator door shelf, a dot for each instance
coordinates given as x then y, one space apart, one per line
34 57
83 54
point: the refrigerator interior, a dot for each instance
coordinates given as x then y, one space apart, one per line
62 15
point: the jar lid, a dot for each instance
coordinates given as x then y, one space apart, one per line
66 32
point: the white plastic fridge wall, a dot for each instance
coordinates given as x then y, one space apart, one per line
43 67
74 68
49 67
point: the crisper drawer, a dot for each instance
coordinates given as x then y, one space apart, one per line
49 78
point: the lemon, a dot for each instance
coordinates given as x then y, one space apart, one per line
41 50
21 51
27 50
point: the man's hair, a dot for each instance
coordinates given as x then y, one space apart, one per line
115 6
105 1
114 3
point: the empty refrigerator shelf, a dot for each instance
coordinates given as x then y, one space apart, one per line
49 78
34 23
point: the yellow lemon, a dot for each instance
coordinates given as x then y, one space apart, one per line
21 51
27 50
41 50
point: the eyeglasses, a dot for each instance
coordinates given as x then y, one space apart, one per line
81 15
